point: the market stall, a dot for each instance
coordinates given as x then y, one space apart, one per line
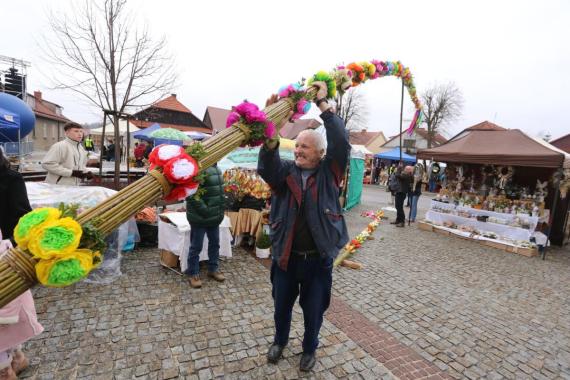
501 186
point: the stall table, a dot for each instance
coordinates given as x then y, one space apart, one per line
175 237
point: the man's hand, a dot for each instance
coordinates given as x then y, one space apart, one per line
273 142
78 174
322 90
88 175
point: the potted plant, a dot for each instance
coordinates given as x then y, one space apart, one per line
262 246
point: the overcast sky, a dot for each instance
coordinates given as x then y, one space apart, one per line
509 58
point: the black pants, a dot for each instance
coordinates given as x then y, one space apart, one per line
400 215
311 280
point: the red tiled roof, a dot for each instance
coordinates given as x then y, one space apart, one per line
562 143
292 130
145 124
171 103
362 137
485 126
218 117
47 109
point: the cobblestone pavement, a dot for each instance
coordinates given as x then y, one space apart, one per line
149 324
473 311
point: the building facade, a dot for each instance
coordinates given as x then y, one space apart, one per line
49 122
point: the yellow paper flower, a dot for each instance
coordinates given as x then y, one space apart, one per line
55 239
59 272
29 223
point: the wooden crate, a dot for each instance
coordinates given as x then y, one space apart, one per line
441 232
168 259
528 252
425 226
495 244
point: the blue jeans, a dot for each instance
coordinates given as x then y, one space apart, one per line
432 185
196 243
414 208
311 280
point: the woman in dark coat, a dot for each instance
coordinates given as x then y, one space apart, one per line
14 201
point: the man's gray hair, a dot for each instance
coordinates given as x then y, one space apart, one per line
317 138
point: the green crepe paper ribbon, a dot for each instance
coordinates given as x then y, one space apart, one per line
56 238
66 272
31 220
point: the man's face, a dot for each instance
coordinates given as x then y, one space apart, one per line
306 154
75 134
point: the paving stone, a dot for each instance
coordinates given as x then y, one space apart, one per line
469 310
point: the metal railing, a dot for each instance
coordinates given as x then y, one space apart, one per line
17 149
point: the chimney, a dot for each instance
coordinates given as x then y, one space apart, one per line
38 95
173 95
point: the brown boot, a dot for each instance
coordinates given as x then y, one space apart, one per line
19 362
217 276
8 374
195 282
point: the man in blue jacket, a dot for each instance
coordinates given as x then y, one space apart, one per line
307 226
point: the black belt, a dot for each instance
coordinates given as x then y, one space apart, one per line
306 254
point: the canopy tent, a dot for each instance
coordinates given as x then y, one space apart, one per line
359 151
509 147
109 129
9 120
246 158
355 178
394 155
196 135
145 134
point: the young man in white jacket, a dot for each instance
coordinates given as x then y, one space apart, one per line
66 160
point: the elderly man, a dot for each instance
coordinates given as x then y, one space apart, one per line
404 178
307 226
66 160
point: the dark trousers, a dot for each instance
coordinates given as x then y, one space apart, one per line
400 216
196 243
311 280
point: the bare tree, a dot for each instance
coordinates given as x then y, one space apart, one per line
102 56
352 108
443 104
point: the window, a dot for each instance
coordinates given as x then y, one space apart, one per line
45 130
409 143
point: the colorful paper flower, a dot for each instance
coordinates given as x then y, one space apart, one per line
56 238
29 222
260 128
181 192
63 271
181 169
163 153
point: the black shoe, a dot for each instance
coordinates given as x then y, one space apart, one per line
400 224
394 222
307 362
274 353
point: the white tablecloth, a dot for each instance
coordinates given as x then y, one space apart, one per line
177 240
513 233
532 220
